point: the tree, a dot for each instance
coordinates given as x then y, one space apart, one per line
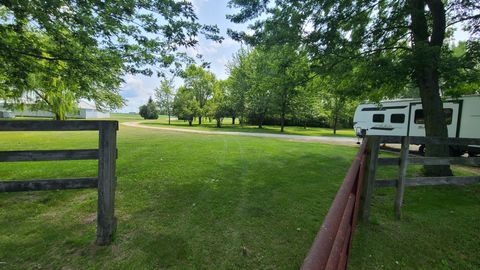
290 72
404 36
164 97
217 106
81 49
200 82
149 111
185 106
238 85
306 105
260 94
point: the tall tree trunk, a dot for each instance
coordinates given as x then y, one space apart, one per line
282 117
169 118
57 116
233 120
335 121
190 122
262 117
305 124
219 123
260 121
426 52
199 120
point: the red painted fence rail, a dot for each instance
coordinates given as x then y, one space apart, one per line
331 246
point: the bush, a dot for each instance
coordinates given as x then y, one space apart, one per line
149 111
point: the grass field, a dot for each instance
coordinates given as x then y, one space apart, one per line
227 126
189 201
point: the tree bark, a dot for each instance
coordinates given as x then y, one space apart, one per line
233 120
190 122
169 118
199 120
219 123
282 118
335 120
426 52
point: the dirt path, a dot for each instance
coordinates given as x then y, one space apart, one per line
299 138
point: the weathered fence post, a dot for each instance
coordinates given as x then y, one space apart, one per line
106 222
368 187
402 172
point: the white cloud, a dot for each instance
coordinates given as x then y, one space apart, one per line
136 90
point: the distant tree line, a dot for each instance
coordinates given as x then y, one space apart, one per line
264 87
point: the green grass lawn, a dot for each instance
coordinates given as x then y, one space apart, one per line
190 201
227 126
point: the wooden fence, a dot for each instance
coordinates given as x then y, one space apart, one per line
404 160
332 244
106 155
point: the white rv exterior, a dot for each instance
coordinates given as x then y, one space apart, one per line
405 118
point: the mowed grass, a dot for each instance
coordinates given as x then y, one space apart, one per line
190 201
229 127
184 201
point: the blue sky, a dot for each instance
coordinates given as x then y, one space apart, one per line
137 88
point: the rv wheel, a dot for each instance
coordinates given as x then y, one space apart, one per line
421 149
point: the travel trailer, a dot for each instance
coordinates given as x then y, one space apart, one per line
404 117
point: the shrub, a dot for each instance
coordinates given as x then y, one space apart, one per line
149 111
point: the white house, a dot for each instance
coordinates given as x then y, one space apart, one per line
85 111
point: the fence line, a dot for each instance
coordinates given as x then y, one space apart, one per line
331 246
106 155
404 160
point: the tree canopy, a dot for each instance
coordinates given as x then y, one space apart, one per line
86 46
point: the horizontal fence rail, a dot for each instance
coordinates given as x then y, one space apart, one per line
331 246
429 140
48 125
48 155
474 161
106 154
50 184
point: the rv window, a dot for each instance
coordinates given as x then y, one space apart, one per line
448 115
420 120
397 118
419 117
378 118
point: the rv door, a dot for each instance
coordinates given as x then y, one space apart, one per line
417 120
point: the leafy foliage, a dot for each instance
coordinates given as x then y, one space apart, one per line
200 82
149 111
86 46
185 106
164 97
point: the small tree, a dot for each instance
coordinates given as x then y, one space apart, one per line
200 83
184 105
218 106
164 97
149 111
